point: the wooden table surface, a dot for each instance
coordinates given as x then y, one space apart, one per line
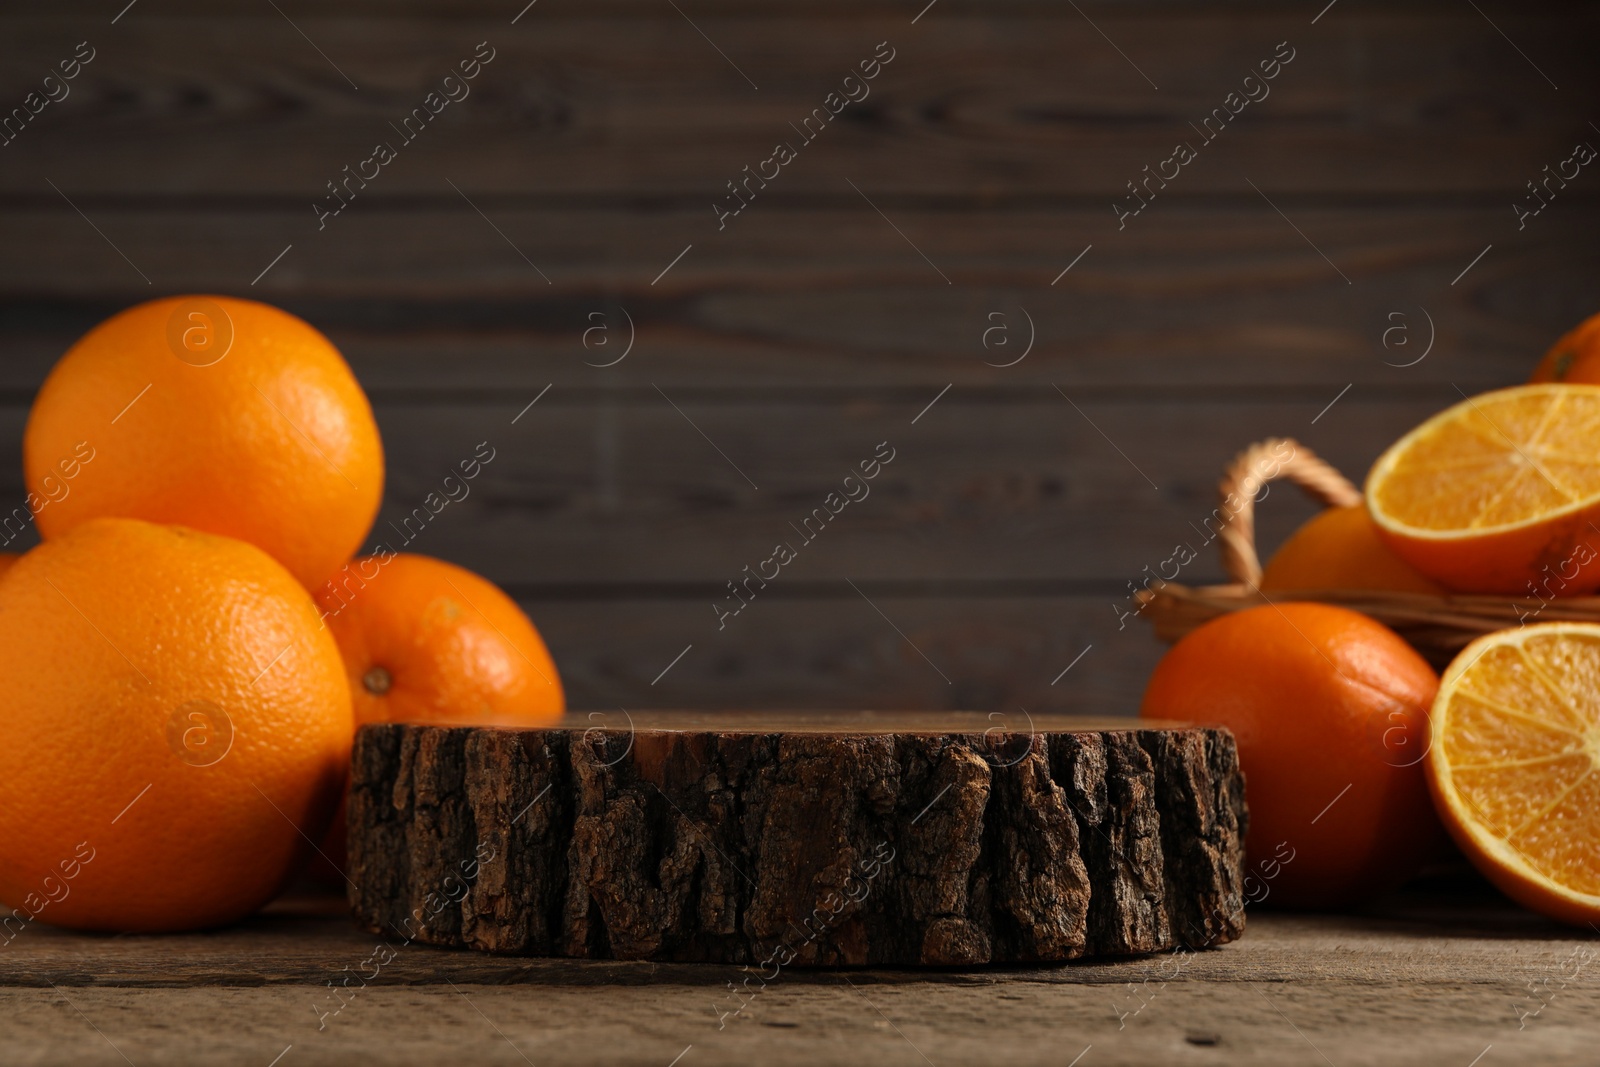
1432 976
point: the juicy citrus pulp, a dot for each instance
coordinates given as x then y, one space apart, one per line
1516 740
1499 491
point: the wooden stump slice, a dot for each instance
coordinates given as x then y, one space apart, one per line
829 838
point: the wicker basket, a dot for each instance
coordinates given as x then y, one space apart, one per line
1437 626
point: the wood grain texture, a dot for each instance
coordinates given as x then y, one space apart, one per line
623 494
630 491
429 303
817 839
972 104
1006 649
1395 144
1422 978
617 528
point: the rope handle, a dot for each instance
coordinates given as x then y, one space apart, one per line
1262 463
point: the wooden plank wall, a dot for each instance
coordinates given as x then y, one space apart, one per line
879 271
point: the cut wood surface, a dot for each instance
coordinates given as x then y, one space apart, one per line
816 838
1424 978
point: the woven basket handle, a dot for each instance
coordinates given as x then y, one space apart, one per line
1268 461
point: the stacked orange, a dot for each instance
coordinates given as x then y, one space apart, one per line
181 708
1498 494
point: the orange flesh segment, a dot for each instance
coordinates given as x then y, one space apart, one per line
1520 731
1502 459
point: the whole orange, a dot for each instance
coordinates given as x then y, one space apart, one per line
1329 710
219 414
1340 548
427 641
177 725
1575 357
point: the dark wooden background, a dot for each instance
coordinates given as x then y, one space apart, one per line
1003 536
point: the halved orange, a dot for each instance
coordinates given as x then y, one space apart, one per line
1515 746
1498 494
